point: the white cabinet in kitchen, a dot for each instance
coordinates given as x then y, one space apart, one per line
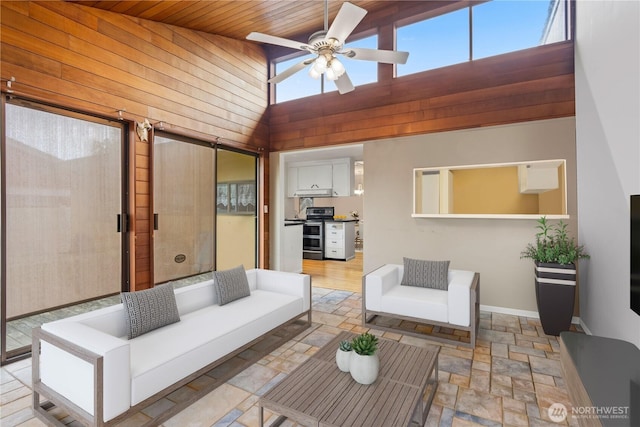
292 181
315 176
339 240
342 178
302 180
322 178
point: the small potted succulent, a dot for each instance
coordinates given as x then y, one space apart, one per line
364 362
343 355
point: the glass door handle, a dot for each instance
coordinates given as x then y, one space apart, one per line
123 224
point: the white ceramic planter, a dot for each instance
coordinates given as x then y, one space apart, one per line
343 359
364 369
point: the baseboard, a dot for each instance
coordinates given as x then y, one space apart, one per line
584 328
512 311
524 313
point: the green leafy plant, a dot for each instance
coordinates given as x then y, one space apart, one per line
553 245
345 345
365 344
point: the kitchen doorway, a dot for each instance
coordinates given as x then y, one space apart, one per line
337 275
292 198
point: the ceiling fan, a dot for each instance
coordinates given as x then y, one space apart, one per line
329 43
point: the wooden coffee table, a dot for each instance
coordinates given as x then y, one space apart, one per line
317 393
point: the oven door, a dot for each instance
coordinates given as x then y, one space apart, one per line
311 244
312 228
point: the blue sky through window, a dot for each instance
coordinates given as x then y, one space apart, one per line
499 26
506 26
297 86
435 42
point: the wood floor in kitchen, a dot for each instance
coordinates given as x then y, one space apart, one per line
339 275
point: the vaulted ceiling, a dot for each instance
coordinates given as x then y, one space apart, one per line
237 18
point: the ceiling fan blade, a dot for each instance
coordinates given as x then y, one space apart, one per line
344 85
385 56
347 19
278 41
290 71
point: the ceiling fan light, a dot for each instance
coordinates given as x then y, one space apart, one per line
319 67
331 75
314 73
337 67
320 64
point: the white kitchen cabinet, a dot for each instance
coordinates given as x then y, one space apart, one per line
315 176
535 179
342 178
339 240
292 181
303 179
306 178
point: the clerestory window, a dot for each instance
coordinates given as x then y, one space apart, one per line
473 32
480 31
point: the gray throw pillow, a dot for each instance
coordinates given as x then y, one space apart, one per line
149 309
231 285
426 274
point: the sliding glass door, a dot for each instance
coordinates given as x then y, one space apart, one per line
184 206
63 200
237 221
205 200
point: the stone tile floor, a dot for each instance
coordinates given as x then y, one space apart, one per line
511 378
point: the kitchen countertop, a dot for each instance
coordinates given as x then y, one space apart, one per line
296 221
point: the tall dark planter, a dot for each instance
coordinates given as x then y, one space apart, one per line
555 295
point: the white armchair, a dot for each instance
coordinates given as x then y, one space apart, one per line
457 307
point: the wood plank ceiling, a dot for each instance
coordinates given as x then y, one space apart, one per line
237 18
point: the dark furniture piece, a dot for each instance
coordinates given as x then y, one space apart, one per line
603 379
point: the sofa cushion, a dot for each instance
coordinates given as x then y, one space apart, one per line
195 297
413 301
165 356
149 309
231 285
426 274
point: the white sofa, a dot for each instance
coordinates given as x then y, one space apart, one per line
457 307
136 372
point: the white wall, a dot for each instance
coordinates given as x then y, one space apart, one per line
277 198
489 246
608 159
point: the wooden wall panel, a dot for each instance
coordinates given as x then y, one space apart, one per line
199 85
141 227
208 86
533 84
188 84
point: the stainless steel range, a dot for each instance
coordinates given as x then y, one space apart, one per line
313 232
